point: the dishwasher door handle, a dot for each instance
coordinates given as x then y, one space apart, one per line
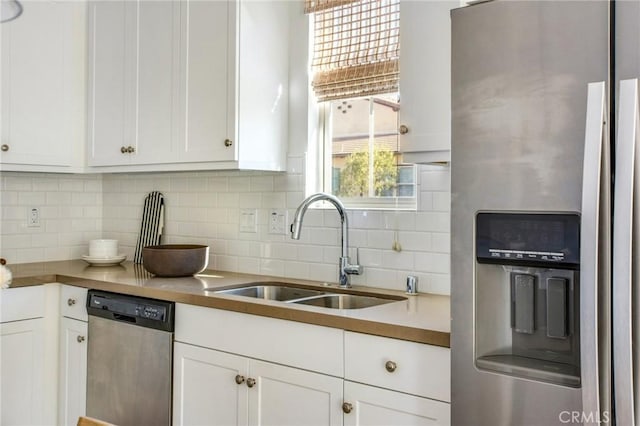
121 317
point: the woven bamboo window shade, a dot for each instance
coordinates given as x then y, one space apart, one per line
356 47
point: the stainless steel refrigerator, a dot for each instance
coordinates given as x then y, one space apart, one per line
544 229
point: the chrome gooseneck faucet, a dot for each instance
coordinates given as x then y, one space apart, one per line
346 268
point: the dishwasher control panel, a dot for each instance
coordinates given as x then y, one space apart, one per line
141 311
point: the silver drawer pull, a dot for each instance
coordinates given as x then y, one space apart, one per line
71 302
390 366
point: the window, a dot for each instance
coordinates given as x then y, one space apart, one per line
361 162
355 77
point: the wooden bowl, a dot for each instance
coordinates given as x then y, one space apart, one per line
175 260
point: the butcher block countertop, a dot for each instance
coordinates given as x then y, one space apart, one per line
423 318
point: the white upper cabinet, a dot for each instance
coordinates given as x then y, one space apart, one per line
43 56
188 85
132 64
206 91
425 80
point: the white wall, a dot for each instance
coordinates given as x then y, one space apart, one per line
204 207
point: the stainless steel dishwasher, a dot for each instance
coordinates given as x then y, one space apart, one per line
129 361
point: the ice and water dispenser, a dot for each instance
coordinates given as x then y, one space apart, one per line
527 295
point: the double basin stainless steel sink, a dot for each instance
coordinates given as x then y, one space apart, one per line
289 293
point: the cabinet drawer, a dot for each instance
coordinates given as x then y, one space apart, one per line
73 302
22 303
306 346
417 369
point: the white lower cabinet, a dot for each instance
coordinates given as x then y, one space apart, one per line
22 372
205 389
73 371
368 405
213 387
28 355
237 369
288 396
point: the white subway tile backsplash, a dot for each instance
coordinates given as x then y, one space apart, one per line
415 241
369 257
33 198
425 201
228 199
397 260
380 239
442 201
218 184
324 272
432 221
298 270
272 267
204 207
324 236
434 178
239 184
250 200
441 242
45 185
17 183
262 183
331 254
75 184
274 200
307 253
294 199
432 262
227 263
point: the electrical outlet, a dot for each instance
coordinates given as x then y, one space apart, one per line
277 221
33 217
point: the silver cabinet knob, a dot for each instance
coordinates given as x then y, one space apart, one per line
390 366
228 142
80 339
239 379
347 407
123 149
403 129
131 149
71 302
251 382
4 147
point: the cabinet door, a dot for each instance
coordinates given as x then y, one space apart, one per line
112 88
156 102
288 396
73 371
205 391
22 372
43 87
425 80
206 84
375 406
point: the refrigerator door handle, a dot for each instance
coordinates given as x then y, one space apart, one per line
594 259
623 229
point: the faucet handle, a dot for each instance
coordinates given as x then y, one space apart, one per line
354 269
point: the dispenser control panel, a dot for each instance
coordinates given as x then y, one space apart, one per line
528 239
